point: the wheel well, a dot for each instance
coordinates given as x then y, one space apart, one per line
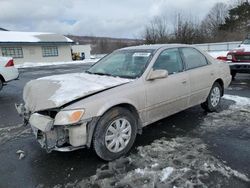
2 78
219 81
132 109
93 123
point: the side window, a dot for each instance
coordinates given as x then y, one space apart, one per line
169 60
193 58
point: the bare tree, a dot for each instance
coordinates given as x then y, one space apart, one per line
157 31
214 19
187 30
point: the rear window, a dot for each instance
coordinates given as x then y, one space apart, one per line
247 41
193 58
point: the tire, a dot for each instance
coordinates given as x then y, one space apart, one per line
115 134
233 74
1 84
213 100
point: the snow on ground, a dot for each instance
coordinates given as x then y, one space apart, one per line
179 162
34 64
237 112
216 54
239 101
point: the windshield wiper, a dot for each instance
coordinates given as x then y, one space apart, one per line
102 74
99 73
89 72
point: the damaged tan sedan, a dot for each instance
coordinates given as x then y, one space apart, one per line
108 105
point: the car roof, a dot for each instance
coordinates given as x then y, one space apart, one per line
154 46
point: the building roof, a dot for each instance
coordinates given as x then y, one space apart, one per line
31 37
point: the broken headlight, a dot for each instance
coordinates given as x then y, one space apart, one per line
68 117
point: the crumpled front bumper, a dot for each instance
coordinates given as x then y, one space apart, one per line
51 137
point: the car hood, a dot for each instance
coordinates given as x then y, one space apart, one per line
242 49
56 91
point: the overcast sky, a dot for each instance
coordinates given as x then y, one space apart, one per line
113 18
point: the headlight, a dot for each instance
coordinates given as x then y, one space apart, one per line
68 117
229 57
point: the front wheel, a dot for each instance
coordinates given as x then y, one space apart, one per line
213 99
115 134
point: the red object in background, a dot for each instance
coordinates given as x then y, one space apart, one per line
222 58
239 56
10 63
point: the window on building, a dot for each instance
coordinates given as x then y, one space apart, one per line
15 52
49 51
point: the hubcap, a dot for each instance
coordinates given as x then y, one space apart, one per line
215 96
118 135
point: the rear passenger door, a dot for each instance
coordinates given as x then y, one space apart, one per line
200 72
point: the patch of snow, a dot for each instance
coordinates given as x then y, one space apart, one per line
17 36
14 36
154 165
229 117
41 64
166 172
184 162
179 162
216 54
140 171
73 86
239 101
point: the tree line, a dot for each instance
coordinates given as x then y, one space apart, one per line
222 23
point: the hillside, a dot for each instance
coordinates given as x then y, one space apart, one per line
105 44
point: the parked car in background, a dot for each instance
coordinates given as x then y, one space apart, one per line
239 58
7 70
108 105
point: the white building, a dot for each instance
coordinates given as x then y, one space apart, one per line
82 50
35 47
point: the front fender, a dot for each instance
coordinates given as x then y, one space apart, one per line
108 105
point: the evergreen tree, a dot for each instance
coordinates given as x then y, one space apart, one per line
238 19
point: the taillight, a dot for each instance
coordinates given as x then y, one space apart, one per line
10 63
222 58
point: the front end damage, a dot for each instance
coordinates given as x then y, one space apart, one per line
55 137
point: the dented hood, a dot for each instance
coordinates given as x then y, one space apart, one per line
55 91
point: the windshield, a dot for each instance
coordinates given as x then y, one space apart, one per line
124 63
247 41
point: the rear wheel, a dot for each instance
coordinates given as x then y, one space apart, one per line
115 134
213 99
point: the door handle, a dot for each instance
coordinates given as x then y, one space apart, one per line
211 73
184 81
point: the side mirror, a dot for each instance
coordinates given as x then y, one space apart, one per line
157 74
